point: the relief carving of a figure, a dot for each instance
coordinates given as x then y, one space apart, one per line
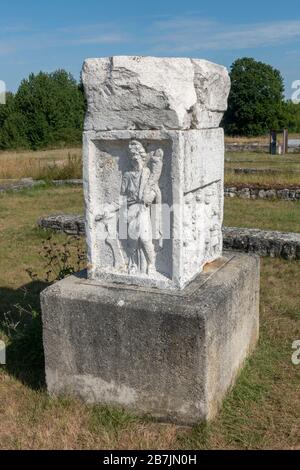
140 186
141 192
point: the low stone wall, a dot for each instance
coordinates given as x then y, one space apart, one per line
291 194
256 147
73 182
262 242
21 184
251 147
30 183
258 171
70 224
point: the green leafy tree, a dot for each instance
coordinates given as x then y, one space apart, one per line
52 105
6 109
292 116
256 100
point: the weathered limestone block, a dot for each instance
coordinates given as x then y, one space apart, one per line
212 85
173 355
184 223
153 168
154 93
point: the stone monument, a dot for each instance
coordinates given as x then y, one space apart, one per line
162 321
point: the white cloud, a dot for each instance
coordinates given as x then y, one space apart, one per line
15 28
169 35
70 36
109 38
197 34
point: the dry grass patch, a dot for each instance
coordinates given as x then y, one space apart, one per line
67 164
46 164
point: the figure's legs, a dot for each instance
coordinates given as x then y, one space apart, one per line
132 255
140 245
113 241
133 238
146 242
149 252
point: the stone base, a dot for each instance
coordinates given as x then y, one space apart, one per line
173 355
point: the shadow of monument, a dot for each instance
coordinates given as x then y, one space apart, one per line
21 322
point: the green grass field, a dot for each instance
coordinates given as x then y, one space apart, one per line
288 167
278 215
262 410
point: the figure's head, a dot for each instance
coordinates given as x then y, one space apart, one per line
137 153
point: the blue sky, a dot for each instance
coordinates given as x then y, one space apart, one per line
46 35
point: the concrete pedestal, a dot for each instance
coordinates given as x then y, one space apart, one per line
171 354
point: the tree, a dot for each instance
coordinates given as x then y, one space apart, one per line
12 126
5 109
53 108
293 116
256 100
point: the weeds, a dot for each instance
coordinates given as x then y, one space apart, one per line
22 325
60 260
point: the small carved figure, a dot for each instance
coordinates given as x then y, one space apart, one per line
141 189
140 186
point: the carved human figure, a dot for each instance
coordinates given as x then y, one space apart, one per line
211 213
140 186
140 189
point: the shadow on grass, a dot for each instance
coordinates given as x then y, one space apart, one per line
21 325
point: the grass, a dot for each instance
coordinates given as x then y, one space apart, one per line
261 159
19 235
67 164
264 214
260 139
261 411
286 166
46 164
280 181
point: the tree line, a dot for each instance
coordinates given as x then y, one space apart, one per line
47 111
48 108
